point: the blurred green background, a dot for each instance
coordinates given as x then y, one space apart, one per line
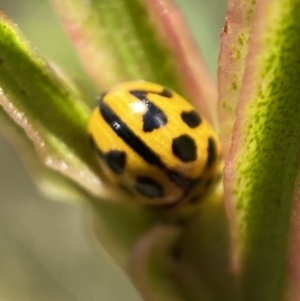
46 250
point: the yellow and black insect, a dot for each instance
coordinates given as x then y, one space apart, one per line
153 145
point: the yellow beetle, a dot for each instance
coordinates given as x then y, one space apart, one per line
153 145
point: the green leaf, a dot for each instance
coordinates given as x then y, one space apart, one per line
231 66
204 250
262 172
151 265
48 181
48 109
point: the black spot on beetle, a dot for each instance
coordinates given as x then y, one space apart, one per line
115 160
148 187
180 179
166 93
212 152
191 119
154 118
141 95
185 148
